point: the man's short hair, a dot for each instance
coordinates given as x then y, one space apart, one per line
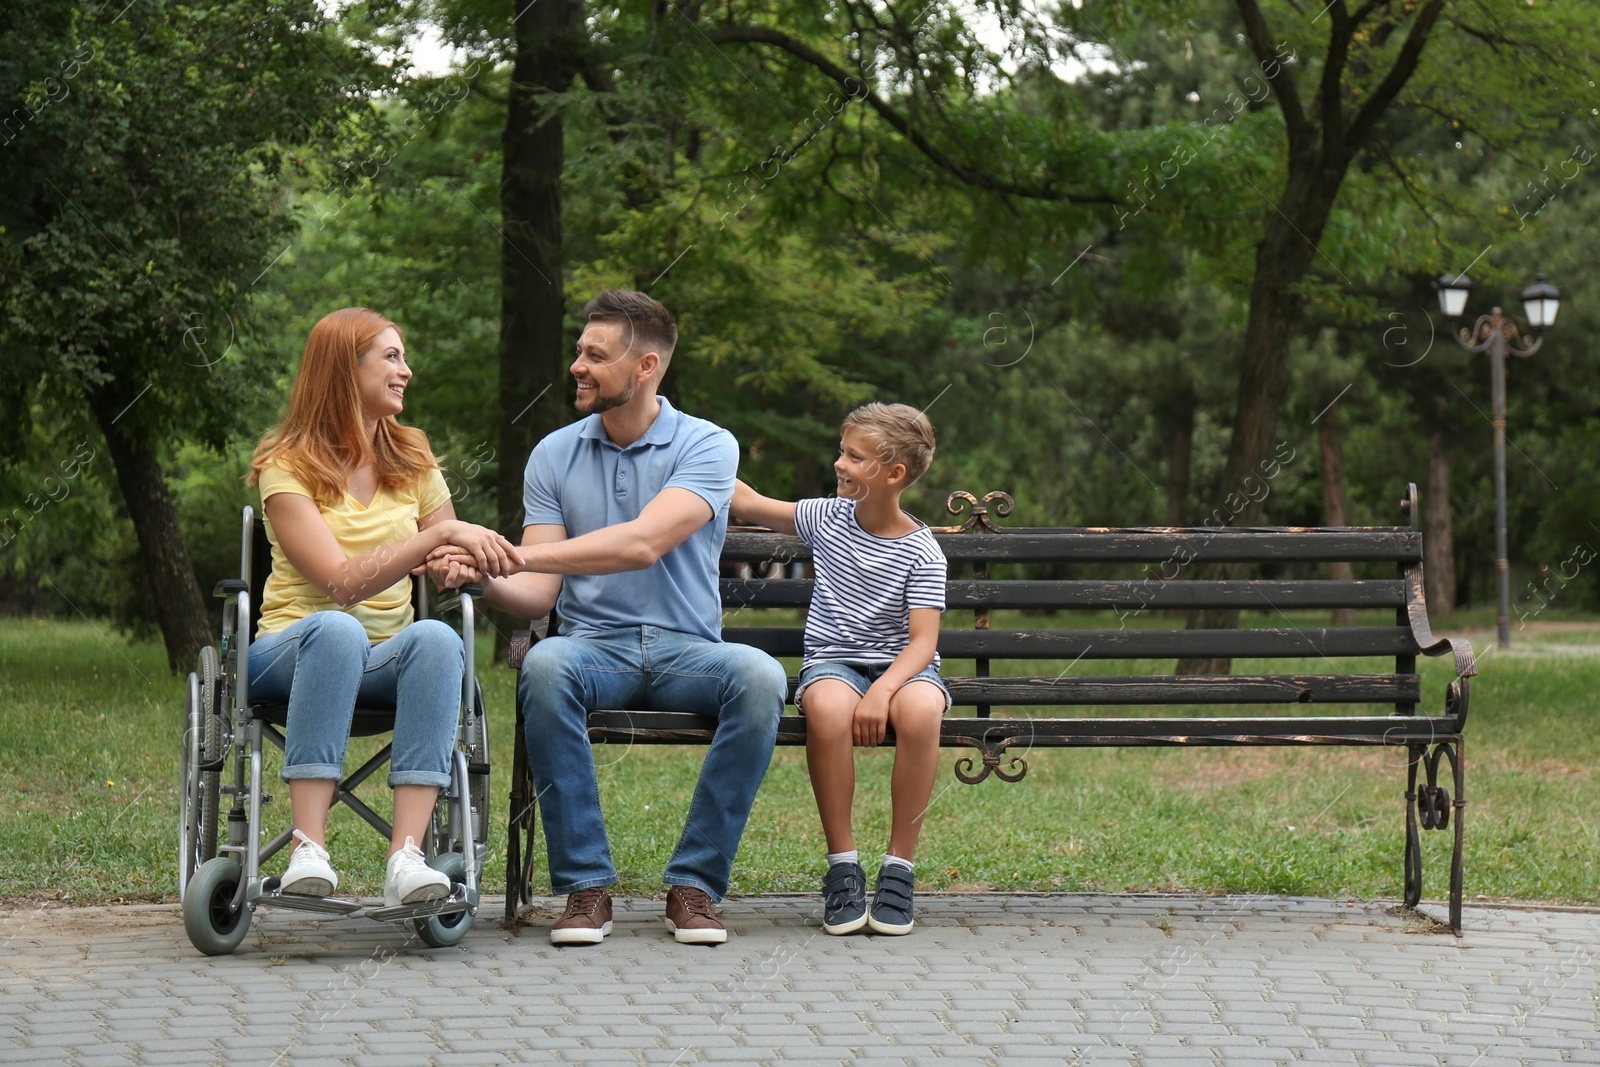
647 325
901 433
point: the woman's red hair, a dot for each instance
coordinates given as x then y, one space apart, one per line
321 438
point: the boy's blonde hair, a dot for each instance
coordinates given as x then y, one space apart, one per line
902 433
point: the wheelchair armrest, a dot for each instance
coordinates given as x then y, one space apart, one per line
228 586
473 589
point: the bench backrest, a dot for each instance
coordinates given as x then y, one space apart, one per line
1156 566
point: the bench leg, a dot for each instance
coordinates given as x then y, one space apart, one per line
520 831
1413 859
513 833
1433 808
1456 858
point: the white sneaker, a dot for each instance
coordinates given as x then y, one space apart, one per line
309 873
409 879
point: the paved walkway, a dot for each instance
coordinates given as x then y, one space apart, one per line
1061 979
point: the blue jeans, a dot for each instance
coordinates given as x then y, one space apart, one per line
564 678
323 665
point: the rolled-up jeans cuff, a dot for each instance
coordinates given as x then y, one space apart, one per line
433 778
313 770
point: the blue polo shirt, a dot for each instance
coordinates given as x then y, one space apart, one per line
580 479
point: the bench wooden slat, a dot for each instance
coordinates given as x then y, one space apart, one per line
668 727
1130 593
1090 545
1042 690
1188 689
1128 644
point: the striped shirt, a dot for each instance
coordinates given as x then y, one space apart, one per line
866 585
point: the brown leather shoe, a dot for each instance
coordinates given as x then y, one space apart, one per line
587 919
690 918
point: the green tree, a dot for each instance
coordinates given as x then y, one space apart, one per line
625 136
141 163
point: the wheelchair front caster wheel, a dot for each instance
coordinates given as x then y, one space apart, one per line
208 916
443 931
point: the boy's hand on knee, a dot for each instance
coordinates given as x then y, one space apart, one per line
872 716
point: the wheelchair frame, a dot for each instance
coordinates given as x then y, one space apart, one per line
219 881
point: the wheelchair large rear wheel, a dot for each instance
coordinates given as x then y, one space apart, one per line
208 916
202 746
442 931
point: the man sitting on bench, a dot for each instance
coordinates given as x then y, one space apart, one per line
631 505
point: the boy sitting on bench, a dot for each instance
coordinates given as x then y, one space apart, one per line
870 650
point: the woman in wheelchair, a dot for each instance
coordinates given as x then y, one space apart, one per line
354 502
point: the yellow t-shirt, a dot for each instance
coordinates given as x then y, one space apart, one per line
389 519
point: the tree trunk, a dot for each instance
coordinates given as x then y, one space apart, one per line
1438 538
807 478
1331 433
808 483
1180 451
1282 260
1180 456
180 609
533 355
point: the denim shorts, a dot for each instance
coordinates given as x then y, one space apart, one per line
860 676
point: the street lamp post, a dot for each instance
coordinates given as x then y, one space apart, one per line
1497 335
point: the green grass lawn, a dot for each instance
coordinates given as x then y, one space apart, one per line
90 728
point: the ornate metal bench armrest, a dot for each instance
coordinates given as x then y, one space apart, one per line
522 640
1422 633
1466 664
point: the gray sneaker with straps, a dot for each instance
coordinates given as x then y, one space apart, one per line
891 905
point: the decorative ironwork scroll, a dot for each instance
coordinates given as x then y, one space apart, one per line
1432 799
990 758
960 501
1429 806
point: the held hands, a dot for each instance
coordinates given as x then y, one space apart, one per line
482 550
872 716
450 567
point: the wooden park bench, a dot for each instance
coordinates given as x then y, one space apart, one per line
1129 572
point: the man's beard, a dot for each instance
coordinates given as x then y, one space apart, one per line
606 403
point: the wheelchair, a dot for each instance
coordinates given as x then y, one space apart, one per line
220 883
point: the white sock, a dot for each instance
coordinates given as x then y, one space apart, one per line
897 861
844 857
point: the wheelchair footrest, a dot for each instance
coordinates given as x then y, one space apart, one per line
271 897
457 902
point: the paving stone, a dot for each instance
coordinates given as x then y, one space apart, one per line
1071 978
596 1057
